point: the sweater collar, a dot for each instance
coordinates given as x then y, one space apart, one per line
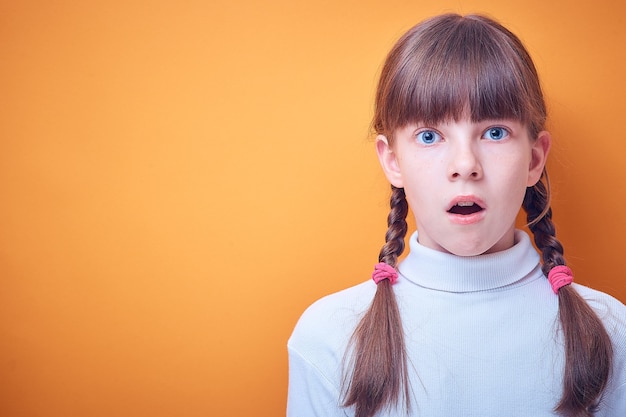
446 272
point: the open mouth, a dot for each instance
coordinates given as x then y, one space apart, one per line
465 208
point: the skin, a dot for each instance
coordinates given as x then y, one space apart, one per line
488 163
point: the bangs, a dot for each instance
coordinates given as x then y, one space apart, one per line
456 68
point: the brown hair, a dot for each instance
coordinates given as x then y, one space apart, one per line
439 70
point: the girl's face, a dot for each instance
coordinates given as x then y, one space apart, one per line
465 181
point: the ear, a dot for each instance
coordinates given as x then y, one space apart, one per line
539 156
388 161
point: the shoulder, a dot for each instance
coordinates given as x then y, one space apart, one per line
317 349
611 311
330 321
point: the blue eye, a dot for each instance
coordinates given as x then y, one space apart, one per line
496 133
428 137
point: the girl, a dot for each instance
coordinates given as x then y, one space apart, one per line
471 323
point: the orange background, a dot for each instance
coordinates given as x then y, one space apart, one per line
179 180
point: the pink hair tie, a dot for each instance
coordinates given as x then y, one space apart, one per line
560 276
384 271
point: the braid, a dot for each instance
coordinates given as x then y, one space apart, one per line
588 349
539 217
397 227
378 368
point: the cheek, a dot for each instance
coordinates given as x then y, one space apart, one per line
514 181
418 172
514 163
422 186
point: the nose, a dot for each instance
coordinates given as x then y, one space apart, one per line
464 163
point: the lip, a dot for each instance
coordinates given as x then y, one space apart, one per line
466 219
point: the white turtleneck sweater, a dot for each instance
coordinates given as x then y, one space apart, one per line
481 334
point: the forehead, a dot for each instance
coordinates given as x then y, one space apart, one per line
465 124
436 75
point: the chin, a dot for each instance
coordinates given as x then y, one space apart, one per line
468 253
470 250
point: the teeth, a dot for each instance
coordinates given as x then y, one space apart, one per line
464 204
